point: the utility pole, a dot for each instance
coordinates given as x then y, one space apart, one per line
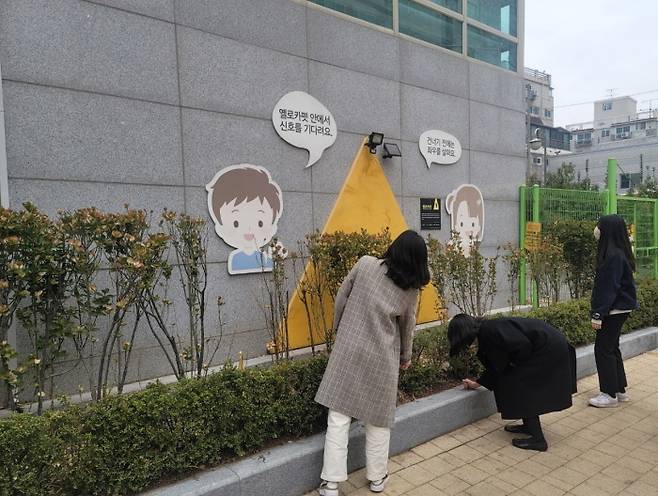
543 135
587 168
641 170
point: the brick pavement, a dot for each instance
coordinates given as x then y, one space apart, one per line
592 452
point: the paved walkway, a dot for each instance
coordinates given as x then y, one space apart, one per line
592 452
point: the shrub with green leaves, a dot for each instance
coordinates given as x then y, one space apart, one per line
126 443
579 251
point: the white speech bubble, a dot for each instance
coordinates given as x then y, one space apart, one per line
304 122
439 147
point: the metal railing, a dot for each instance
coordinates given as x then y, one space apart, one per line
546 205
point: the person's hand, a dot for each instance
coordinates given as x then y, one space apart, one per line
596 324
469 384
405 365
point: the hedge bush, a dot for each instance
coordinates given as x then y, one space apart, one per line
125 443
572 317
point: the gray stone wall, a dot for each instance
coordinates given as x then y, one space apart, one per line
141 102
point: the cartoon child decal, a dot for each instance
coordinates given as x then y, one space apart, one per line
466 208
245 205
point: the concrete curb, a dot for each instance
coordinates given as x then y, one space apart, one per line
293 469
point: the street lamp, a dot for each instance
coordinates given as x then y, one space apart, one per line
536 143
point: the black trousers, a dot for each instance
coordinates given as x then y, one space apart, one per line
534 427
609 364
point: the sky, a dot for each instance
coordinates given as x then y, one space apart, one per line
590 47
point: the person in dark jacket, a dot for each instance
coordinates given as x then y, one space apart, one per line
613 298
528 364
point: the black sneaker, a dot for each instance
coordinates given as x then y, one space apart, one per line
517 429
531 443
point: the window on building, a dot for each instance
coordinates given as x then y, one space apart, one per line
455 5
624 130
605 133
429 25
627 181
378 12
607 106
499 14
547 113
491 48
536 160
535 110
583 138
641 125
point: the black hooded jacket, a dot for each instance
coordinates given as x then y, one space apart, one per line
614 287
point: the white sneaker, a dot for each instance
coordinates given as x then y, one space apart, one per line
328 488
378 486
623 397
603 400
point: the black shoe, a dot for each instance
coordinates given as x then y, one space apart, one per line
517 429
531 443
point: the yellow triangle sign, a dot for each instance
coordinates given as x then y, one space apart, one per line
366 201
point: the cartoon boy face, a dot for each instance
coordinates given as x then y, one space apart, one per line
245 205
247 225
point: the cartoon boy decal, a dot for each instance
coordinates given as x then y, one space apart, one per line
466 208
245 205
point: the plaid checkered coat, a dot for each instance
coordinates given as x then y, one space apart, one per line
375 320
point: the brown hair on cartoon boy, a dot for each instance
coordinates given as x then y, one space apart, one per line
244 184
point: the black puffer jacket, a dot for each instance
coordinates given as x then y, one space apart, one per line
614 287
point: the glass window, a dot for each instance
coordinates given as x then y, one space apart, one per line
607 106
627 181
376 11
605 133
547 113
499 14
641 125
490 48
584 138
455 5
429 25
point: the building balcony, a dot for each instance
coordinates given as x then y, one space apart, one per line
621 136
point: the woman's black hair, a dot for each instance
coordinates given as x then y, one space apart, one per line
613 238
406 259
462 331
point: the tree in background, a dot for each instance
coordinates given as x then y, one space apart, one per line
565 178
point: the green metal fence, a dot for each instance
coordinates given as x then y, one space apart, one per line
642 215
546 205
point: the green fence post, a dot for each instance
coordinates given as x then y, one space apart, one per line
655 239
522 222
612 186
635 236
535 218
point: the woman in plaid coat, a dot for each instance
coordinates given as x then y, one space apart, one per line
374 317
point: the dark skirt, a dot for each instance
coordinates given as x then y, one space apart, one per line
544 383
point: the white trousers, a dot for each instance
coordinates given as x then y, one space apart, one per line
334 468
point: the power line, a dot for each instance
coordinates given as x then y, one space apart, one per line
592 101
